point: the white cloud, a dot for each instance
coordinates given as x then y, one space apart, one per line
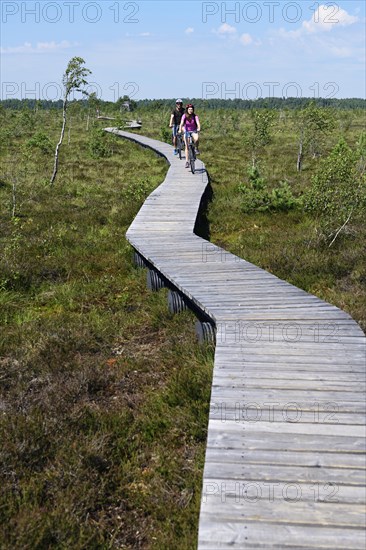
145 34
40 47
246 39
323 20
226 29
47 46
341 51
316 39
24 48
189 30
230 33
327 17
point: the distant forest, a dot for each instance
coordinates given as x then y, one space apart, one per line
245 104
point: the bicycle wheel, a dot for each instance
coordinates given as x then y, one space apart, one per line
180 147
192 158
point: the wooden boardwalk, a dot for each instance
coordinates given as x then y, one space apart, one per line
285 461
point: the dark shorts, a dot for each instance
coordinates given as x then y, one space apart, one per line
175 129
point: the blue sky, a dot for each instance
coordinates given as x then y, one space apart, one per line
157 49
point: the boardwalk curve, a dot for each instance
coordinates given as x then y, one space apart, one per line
285 460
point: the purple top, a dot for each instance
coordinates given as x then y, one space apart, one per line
190 125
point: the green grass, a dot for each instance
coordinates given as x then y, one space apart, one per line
104 394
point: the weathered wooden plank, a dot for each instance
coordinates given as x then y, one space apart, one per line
250 501
220 438
281 356
287 372
239 534
283 473
302 399
289 458
249 382
285 315
328 413
292 340
267 428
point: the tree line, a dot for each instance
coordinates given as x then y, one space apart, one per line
213 103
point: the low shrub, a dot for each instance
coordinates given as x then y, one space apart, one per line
255 195
41 142
137 191
99 144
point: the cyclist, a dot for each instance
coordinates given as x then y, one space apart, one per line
191 124
174 123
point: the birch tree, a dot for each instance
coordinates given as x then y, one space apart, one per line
74 79
313 124
338 191
260 134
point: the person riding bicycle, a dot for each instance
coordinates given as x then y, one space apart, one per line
191 125
174 123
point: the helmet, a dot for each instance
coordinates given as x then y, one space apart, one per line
179 101
189 105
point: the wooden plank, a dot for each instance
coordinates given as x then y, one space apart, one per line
284 473
248 382
244 534
286 372
288 412
251 501
289 458
242 359
294 428
220 438
304 398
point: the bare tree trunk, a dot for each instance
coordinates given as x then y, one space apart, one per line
14 198
254 160
87 122
55 166
340 229
300 156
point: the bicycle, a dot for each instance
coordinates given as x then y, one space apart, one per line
191 152
180 144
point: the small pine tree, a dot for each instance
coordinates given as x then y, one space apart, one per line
99 144
41 142
255 195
